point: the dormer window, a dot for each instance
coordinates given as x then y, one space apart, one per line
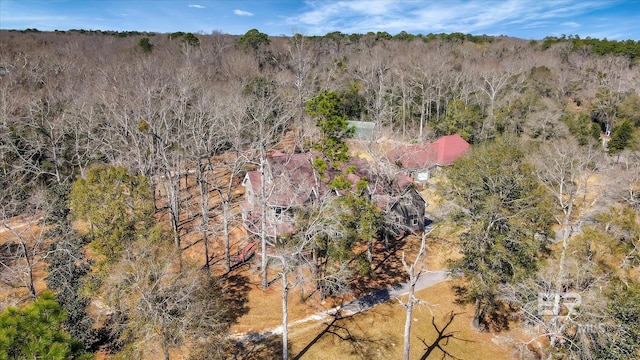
279 212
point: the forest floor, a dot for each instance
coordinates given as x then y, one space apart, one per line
14 277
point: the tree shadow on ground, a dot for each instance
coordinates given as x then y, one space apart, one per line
443 336
267 348
462 294
498 315
341 329
387 270
236 295
498 319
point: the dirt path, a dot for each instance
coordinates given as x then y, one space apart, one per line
372 299
14 225
361 304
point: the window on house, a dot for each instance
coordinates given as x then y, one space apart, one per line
414 220
279 212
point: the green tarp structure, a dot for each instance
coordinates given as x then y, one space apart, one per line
364 129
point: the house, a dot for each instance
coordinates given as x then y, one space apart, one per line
397 196
418 160
405 212
288 182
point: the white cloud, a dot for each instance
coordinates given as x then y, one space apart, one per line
242 13
536 25
469 16
197 6
570 24
371 7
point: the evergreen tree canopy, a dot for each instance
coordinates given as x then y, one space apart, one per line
332 122
507 217
460 120
114 203
621 137
35 332
190 39
253 39
144 45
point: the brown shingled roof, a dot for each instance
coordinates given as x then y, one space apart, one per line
291 182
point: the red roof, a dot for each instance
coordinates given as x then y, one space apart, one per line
291 179
449 148
419 156
442 152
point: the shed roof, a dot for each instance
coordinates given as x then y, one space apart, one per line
364 130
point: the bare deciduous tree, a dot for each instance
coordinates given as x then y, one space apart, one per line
491 83
27 244
415 270
160 302
566 170
266 121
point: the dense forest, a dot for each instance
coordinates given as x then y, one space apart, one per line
108 139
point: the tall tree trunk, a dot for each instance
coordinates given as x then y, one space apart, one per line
478 315
414 276
407 323
226 208
155 192
314 261
165 350
172 188
263 226
163 340
227 234
285 313
30 286
423 116
174 215
559 284
173 204
204 204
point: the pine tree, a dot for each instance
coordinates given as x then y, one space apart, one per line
620 138
332 122
35 332
115 204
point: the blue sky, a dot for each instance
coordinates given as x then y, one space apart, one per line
526 19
